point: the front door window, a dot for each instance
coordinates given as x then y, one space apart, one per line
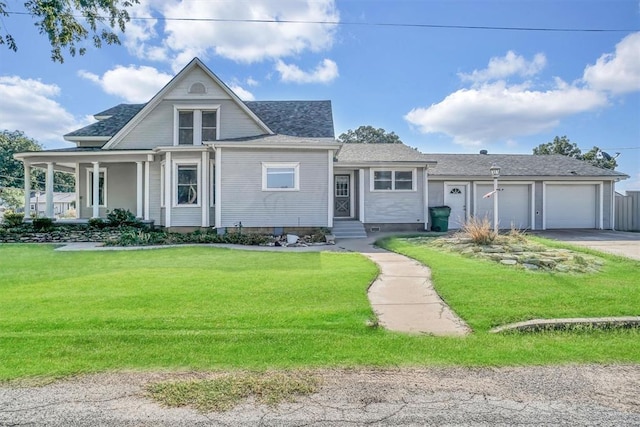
342 196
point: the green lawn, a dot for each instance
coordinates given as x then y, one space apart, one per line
208 309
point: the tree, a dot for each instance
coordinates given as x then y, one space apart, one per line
369 135
562 145
12 197
12 170
69 22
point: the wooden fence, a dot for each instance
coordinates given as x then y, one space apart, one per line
628 211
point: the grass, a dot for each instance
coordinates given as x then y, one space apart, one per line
203 309
226 391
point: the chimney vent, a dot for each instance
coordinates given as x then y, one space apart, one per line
484 152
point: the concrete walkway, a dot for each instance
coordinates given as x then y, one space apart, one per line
403 296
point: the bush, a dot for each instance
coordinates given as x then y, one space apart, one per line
13 219
479 231
98 223
122 217
42 224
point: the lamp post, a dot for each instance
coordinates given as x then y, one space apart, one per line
495 173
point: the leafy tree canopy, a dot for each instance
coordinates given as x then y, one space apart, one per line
67 23
12 170
369 135
562 145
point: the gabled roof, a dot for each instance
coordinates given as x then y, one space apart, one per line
516 165
306 119
380 153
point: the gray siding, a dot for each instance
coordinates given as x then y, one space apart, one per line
244 201
394 206
607 202
155 212
436 193
538 205
121 188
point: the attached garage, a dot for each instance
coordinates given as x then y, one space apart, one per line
514 204
572 206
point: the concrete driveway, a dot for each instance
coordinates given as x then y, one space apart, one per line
622 243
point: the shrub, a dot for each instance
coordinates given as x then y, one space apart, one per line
120 217
479 231
98 223
13 219
42 224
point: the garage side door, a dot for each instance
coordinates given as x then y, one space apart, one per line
514 205
571 206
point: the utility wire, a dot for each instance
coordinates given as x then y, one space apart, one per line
376 24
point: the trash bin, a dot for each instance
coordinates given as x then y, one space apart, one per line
439 218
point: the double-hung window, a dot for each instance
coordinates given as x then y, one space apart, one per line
393 180
187 184
196 124
280 176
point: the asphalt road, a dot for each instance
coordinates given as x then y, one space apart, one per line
568 395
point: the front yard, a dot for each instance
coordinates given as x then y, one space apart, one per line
202 308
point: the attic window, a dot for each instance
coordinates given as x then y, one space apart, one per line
197 88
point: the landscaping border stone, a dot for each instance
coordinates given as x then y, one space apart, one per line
538 325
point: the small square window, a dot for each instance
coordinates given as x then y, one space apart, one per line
382 180
280 177
392 180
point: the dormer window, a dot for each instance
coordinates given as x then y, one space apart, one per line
196 125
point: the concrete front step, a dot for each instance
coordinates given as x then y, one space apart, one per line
349 230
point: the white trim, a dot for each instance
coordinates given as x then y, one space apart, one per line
248 145
330 200
49 191
284 165
175 166
361 195
27 190
167 190
77 196
147 190
90 185
599 198
79 153
163 182
139 190
393 170
425 195
158 97
212 182
204 192
218 184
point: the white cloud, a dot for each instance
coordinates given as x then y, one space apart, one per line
325 72
244 94
509 65
617 72
497 111
247 42
132 83
252 82
28 105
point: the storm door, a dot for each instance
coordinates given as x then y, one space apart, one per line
341 196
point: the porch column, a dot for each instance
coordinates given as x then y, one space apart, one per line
425 195
168 170
361 195
27 190
96 190
218 186
138 189
77 176
49 190
147 180
330 189
204 189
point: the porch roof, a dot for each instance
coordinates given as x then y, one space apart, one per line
380 153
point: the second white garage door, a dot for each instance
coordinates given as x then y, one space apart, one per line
514 205
571 206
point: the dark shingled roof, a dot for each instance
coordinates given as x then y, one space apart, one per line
120 116
307 119
368 153
515 165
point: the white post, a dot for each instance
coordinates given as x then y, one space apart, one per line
218 184
204 189
425 194
361 195
168 170
27 190
139 190
331 188
49 190
147 181
96 190
495 205
77 197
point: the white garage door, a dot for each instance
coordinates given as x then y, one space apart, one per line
514 205
571 206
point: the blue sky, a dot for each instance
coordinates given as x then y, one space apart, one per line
442 90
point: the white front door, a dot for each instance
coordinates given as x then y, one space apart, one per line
455 196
